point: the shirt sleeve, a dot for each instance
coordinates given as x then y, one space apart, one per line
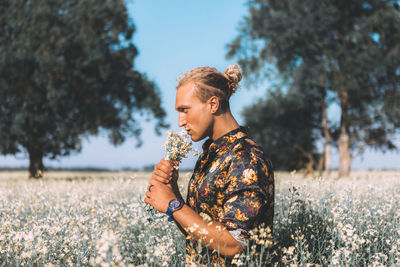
246 194
237 234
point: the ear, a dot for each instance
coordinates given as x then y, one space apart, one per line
213 104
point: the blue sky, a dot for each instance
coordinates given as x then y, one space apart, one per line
173 37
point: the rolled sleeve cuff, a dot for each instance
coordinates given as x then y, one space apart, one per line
236 233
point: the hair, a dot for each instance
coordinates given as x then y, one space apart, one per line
210 82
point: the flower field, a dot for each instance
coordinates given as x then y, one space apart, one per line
98 219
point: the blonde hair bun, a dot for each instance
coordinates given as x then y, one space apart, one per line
234 74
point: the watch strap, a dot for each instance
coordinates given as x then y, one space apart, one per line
170 211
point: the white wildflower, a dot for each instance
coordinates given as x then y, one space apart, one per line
177 145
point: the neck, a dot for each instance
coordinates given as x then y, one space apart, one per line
223 124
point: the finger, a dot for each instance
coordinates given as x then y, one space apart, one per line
168 164
155 183
160 176
147 200
163 169
148 194
160 179
164 161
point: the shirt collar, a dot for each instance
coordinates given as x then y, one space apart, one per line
211 146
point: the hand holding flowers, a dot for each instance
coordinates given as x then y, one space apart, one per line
163 183
177 146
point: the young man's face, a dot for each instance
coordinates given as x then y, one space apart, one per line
194 115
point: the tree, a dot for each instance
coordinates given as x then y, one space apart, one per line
66 72
287 125
348 48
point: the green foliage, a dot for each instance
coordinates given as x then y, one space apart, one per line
349 49
286 125
66 71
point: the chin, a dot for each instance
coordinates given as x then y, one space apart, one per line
195 139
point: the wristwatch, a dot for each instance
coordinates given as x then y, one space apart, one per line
174 205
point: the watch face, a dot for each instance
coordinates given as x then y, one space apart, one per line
175 204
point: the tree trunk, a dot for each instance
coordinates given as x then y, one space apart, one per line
344 138
327 156
309 166
344 153
36 166
328 138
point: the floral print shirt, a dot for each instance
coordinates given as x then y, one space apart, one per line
232 183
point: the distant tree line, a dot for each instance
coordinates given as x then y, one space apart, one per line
344 53
74 169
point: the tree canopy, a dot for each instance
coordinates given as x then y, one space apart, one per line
287 125
66 71
349 49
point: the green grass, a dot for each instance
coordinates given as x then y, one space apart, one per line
83 219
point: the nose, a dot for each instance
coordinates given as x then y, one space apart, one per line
182 120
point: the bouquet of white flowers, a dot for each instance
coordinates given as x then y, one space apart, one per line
177 146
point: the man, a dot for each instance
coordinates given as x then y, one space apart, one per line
231 191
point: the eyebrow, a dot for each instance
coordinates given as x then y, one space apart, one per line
181 107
